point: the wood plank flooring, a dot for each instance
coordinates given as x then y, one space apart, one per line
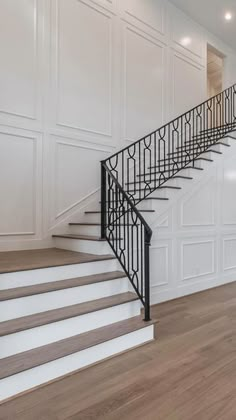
44 258
188 373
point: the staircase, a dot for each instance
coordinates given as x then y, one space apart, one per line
68 307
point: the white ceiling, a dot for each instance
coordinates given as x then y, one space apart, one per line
210 14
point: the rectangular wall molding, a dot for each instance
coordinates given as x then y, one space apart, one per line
140 15
197 259
159 255
229 255
82 87
20 48
21 199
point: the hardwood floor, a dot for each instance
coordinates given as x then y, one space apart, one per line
188 373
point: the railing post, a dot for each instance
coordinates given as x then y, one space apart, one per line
103 201
147 243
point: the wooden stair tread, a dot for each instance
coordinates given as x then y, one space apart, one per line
219 127
197 144
170 187
13 261
213 151
157 198
147 189
206 159
192 167
84 224
140 210
149 174
44 354
183 177
83 237
189 152
55 315
59 285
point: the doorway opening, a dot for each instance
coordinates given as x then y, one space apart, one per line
215 71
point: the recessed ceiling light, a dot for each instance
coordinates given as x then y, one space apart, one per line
186 41
228 16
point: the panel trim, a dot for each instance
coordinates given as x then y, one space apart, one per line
158 31
35 175
175 54
79 146
233 266
157 43
213 218
36 65
192 23
166 247
108 15
212 271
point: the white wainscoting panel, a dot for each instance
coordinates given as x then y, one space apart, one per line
160 262
197 259
187 36
84 66
149 15
188 84
19 187
77 173
229 192
229 253
19 58
199 208
143 84
201 238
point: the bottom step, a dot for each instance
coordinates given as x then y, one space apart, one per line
30 369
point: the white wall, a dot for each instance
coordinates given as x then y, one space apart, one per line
78 79
194 236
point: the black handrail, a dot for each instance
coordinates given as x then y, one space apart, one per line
172 121
116 207
136 171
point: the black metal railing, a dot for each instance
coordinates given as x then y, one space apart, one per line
135 172
128 234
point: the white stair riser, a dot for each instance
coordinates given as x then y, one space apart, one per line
143 205
39 336
175 182
44 275
92 217
24 306
34 377
162 193
190 171
84 230
219 147
210 155
204 163
81 245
